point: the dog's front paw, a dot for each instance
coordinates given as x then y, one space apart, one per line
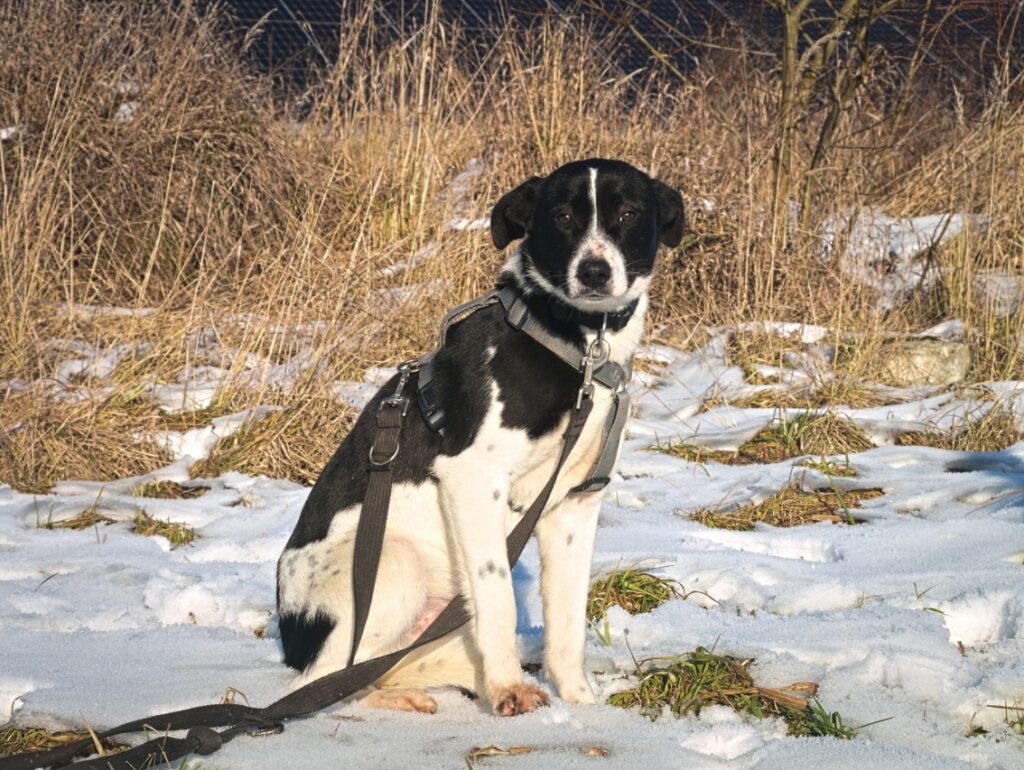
577 692
518 699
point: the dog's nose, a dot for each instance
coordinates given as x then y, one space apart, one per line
594 273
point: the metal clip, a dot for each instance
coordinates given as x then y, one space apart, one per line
398 397
273 728
597 354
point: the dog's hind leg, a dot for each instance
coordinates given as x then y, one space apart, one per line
400 598
399 699
449 662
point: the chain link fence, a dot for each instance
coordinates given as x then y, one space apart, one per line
294 38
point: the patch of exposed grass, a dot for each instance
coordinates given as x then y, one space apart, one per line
790 507
850 392
90 517
167 490
685 685
699 454
831 467
1013 715
16 740
636 592
755 351
178 534
294 443
805 434
993 432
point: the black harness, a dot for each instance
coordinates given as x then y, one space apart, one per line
591 362
202 739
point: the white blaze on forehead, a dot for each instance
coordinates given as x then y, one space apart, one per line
596 244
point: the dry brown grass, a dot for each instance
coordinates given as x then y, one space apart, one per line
853 393
805 433
791 507
42 441
168 490
90 517
293 443
177 533
232 221
755 350
16 740
992 432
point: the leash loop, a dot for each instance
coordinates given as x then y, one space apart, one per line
205 740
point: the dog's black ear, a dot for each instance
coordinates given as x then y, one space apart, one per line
512 213
671 219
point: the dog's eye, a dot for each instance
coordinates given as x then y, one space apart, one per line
627 216
563 218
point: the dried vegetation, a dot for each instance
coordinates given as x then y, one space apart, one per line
149 167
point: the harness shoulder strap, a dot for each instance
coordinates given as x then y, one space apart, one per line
426 387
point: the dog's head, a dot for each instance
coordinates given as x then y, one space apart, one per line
590 231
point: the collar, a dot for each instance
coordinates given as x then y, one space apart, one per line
567 313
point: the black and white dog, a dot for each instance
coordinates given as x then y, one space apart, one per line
590 232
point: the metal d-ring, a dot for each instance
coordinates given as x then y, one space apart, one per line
600 349
385 462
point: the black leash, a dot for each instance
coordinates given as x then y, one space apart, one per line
201 738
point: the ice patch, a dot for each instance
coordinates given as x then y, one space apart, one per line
729 738
771 542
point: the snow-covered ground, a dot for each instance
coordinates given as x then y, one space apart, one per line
915 617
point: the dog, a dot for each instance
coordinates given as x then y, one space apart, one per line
589 234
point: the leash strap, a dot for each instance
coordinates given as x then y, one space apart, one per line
203 740
373 517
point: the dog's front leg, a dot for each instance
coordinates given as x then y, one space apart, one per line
476 503
566 538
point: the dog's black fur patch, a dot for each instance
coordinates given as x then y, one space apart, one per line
303 636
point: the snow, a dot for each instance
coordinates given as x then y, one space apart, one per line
889 254
999 291
915 616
